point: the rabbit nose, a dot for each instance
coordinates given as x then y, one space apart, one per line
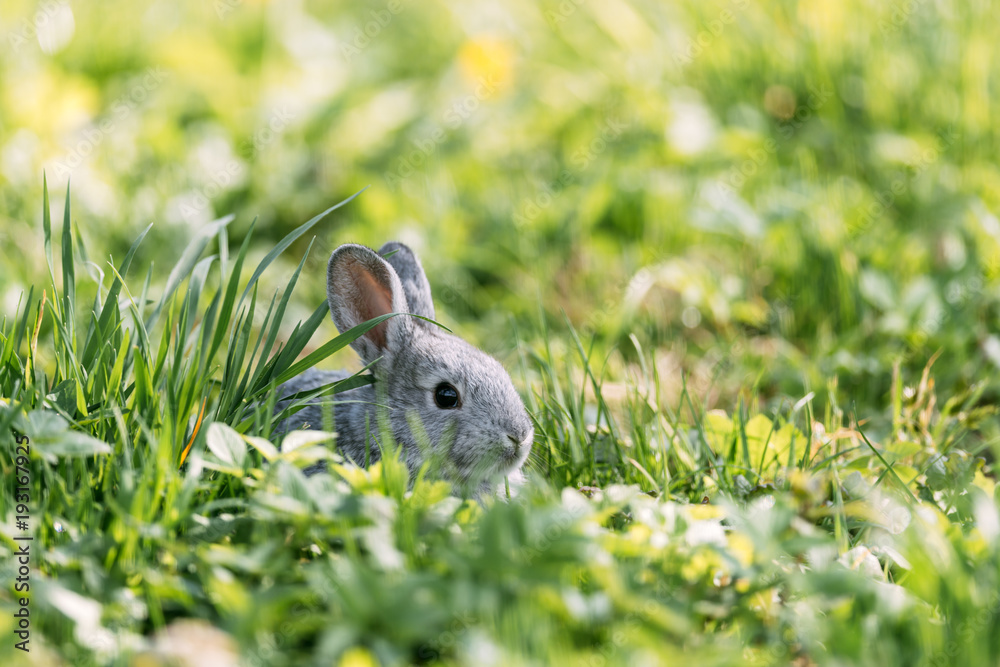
520 441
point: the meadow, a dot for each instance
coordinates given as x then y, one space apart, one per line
741 259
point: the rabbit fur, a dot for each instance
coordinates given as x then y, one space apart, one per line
487 436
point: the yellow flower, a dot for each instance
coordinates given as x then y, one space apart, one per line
358 657
486 60
741 548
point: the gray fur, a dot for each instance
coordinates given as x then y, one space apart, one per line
488 437
414 281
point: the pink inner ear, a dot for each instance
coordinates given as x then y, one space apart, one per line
374 299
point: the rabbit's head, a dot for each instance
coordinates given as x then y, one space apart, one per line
463 397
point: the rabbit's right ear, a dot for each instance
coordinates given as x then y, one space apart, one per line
361 285
411 275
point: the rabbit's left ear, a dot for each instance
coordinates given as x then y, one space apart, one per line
411 275
360 286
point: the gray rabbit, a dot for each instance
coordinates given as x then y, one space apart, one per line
463 397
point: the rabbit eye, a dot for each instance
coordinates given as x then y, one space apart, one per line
446 396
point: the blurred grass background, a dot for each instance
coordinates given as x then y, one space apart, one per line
771 195
774 198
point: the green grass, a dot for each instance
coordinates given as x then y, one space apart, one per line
745 273
647 533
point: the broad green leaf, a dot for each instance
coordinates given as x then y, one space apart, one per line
718 430
296 439
51 437
769 446
226 444
63 395
265 447
903 450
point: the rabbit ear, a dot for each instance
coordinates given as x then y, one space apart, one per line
361 285
411 275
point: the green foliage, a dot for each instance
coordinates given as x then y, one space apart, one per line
641 534
749 254
802 190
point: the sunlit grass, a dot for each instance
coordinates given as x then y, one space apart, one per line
648 532
741 259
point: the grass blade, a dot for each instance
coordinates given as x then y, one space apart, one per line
289 239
